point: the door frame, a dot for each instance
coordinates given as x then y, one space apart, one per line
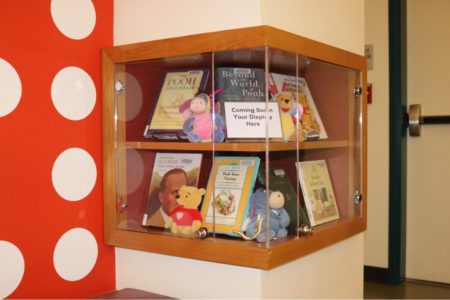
397 140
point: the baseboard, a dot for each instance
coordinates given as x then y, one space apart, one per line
376 274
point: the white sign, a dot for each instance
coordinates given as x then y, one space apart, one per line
248 120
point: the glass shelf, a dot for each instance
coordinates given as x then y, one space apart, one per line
237 147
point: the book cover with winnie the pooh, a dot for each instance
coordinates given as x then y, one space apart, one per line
226 202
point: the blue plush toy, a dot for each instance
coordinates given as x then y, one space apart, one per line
200 127
278 217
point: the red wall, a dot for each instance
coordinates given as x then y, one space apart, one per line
35 217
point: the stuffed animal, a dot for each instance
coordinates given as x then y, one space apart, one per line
290 114
185 218
278 217
200 127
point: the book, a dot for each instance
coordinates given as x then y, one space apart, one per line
317 190
279 181
240 84
243 104
166 121
312 126
170 172
227 200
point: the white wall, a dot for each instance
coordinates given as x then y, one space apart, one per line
143 20
339 267
184 278
334 272
338 23
376 34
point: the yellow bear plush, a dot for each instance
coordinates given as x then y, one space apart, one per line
289 108
185 218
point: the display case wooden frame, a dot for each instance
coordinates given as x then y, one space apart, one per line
224 250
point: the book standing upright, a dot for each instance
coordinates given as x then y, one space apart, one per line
318 193
186 164
226 202
312 125
280 181
166 121
243 104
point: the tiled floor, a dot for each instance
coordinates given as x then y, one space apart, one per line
409 289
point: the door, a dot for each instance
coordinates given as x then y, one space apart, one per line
428 156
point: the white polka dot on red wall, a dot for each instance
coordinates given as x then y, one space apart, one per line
74 18
12 267
74 174
75 254
73 93
10 87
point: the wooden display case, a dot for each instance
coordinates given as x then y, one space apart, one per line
132 76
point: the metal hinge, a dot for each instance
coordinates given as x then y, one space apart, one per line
119 87
121 205
357 91
357 197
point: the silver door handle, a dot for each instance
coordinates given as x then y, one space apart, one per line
415 119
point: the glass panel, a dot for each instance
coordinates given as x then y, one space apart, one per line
284 209
314 120
151 161
240 95
356 146
337 149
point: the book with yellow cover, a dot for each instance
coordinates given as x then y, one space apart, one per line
227 200
166 121
317 190
311 124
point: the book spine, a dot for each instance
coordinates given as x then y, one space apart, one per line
251 189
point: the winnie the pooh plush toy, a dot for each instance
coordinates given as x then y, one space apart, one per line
290 114
185 218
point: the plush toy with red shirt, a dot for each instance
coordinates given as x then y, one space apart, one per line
290 114
186 218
